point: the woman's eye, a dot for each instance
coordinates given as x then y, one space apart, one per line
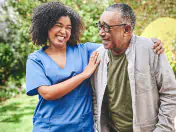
68 28
58 25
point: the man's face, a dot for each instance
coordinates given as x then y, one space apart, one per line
113 39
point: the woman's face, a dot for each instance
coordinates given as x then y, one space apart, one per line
60 33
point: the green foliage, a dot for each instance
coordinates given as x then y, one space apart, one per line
15 44
9 92
11 64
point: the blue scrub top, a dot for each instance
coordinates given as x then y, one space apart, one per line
72 112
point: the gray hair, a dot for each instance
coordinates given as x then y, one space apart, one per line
126 12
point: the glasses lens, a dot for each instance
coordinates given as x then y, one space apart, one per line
98 26
106 28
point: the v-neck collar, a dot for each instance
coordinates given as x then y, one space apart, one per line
43 51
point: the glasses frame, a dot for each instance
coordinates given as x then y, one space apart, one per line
99 26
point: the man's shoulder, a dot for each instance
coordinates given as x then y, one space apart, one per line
143 47
101 50
144 42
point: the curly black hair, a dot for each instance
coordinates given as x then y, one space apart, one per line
45 17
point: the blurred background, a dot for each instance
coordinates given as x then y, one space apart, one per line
155 18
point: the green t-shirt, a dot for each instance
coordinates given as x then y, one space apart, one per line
118 94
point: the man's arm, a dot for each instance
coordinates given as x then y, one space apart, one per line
166 83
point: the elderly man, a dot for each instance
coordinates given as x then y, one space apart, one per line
135 88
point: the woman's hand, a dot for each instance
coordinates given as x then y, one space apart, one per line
158 46
93 64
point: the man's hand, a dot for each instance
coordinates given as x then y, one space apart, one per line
158 46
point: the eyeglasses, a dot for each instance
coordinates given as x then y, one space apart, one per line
107 27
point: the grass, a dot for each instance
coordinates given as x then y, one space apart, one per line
16 114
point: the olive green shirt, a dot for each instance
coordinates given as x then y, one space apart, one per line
118 94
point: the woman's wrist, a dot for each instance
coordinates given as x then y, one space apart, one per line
84 75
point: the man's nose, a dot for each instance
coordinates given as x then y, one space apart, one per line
102 32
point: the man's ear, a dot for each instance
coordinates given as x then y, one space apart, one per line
127 30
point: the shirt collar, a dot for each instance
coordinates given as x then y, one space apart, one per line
132 42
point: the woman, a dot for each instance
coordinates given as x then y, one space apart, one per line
59 72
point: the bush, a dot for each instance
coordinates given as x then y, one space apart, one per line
15 44
164 29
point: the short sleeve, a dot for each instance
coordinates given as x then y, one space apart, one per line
91 47
35 77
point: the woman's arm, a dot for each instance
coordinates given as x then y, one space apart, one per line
56 91
158 46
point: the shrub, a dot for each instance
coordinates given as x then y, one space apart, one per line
164 29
